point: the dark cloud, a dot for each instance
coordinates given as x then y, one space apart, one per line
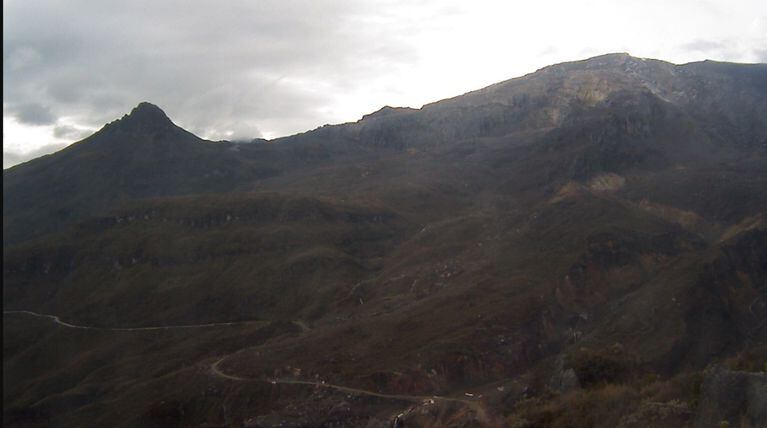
31 114
231 70
11 158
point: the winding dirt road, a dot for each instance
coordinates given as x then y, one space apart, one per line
58 321
414 398
216 370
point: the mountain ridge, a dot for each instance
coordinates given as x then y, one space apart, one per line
576 247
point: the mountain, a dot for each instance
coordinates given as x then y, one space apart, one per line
141 155
585 245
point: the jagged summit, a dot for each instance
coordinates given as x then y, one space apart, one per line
387 111
147 110
144 118
614 56
617 61
145 124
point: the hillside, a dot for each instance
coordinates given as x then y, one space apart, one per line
585 245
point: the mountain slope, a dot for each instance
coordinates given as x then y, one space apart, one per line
613 93
141 155
576 246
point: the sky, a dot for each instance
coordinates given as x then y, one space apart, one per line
242 69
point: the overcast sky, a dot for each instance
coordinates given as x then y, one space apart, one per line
259 68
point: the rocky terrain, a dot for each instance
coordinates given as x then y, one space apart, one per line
582 246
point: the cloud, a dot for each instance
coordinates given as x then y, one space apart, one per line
549 50
31 113
231 68
11 158
704 46
243 68
741 50
67 132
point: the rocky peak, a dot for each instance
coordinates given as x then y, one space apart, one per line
388 111
145 118
147 110
612 58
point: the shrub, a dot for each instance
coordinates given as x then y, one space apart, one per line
600 367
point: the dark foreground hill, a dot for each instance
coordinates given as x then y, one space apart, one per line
582 246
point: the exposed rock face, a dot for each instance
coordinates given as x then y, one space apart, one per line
563 379
606 183
738 398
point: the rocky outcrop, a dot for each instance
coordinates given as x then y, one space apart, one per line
738 398
563 380
670 414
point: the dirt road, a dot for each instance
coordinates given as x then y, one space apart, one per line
58 321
